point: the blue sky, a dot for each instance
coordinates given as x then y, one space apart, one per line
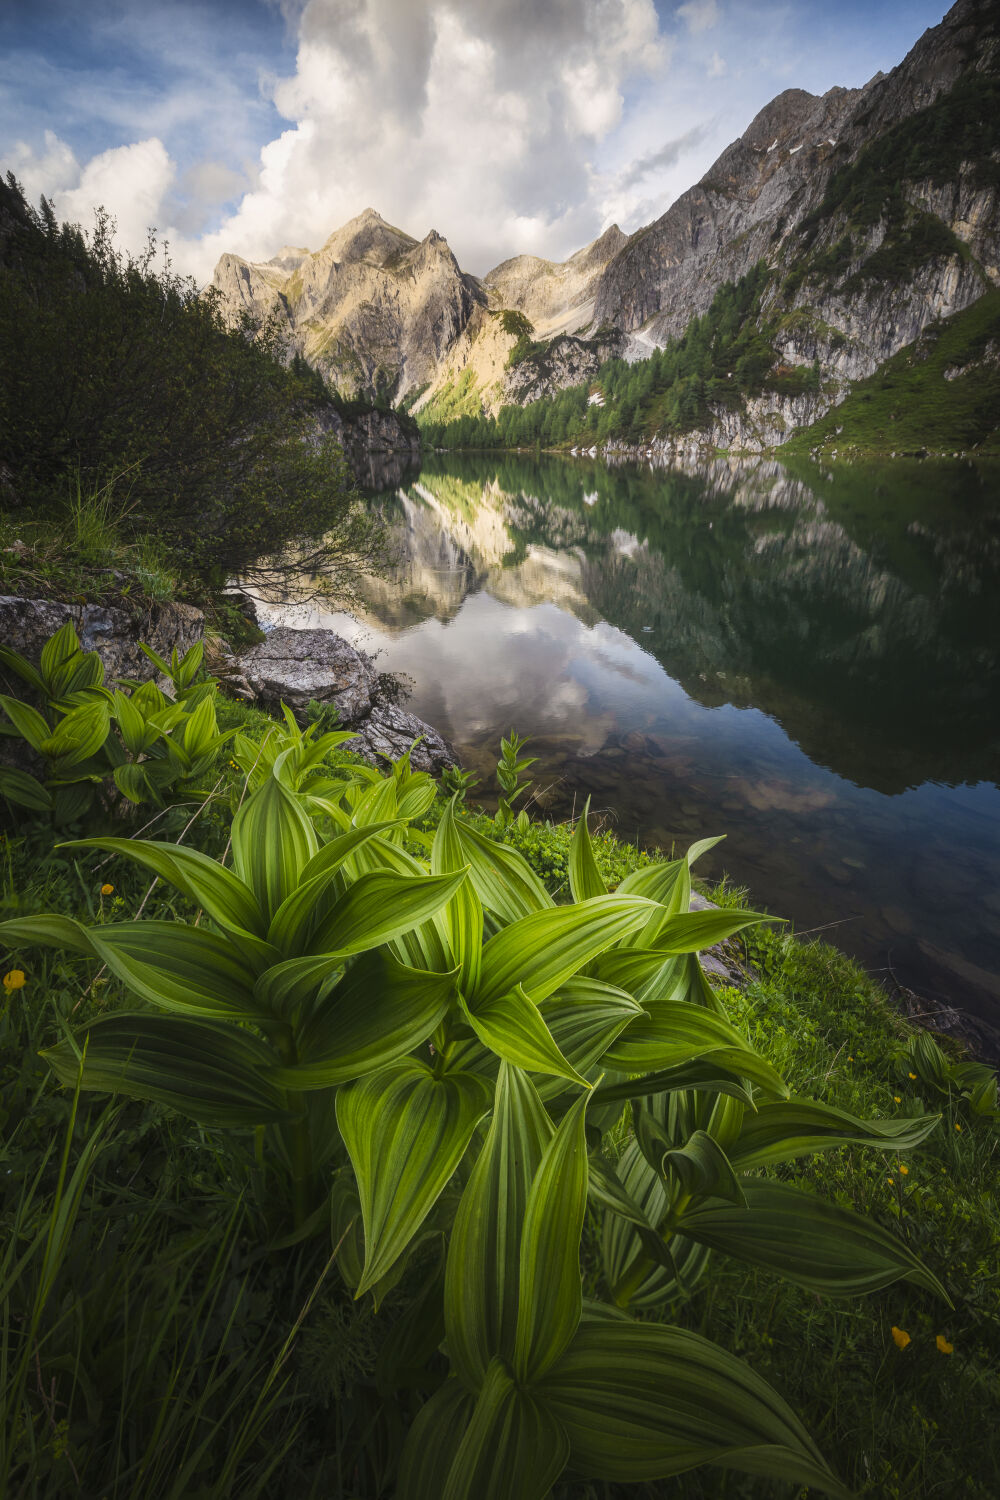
507 125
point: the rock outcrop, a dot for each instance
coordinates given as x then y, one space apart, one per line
556 297
114 633
297 667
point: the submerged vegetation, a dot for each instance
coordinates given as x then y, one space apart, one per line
432 1164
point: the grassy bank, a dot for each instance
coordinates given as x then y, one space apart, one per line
180 1342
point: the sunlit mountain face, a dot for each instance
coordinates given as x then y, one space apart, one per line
807 662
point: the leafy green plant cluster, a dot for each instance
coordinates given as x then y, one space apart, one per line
721 356
96 741
425 1061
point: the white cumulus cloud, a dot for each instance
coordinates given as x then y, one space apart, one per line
699 15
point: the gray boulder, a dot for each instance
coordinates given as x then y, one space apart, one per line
295 667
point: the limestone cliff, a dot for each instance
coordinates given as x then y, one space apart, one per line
374 310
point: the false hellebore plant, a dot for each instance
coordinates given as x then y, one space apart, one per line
435 1050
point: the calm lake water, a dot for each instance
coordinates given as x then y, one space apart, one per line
806 661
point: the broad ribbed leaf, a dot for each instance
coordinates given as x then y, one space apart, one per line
642 1401
23 668
676 1032
703 1169
405 1131
49 930
637 1276
426 946
77 737
689 932
585 878
512 1449
788 1128
381 906
551 1287
585 1016
378 1012
702 847
179 968
133 725
432 1442
24 789
464 912
27 721
216 1074
513 1027
273 842
504 881
705 1077
300 913
226 899
542 951
59 649
481 1280
669 885
807 1240
133 782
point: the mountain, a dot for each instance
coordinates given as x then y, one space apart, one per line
865 215
374 310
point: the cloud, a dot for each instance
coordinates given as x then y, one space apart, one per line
668 155
474 119
46 172
699 15
131 182
717 66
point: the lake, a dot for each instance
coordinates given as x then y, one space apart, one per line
805 660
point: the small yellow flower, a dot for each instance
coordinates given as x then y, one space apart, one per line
107 890
913 1076
896 1099
14 980
903 1171
891 1181
900 1338
850 1059
943 1345
957 1125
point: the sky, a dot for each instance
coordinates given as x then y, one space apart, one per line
508 126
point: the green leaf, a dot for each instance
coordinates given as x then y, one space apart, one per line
77 737
513 1447
545 949
584 877
513 1028
48 930
706 1077
464 913
675 1032
381 906
691 931
585 1016
58 650
481 1279
380 1010
787 1128
27 721
642 1402
809 1241
179 968
669 885
405 1131
132 724
24 789
273 842
226 899
294 921
504 881
23 668
703 1169
551 1285
432 1442
133 782
702 847
213 1073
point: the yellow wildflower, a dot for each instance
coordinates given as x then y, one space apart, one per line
943 1345
900 1338
903 1171
107 890
913 1076
957 1125
891 1181
850 1059
14 980
896 1099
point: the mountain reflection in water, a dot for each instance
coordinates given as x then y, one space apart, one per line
808 662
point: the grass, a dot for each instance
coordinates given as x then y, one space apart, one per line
909 406
89 552
180 1351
